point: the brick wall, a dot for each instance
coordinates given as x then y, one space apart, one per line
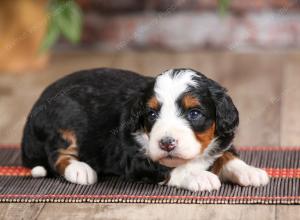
186 25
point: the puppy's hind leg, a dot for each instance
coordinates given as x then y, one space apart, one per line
65 161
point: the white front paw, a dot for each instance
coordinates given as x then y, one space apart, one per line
80 173
194 181
237 171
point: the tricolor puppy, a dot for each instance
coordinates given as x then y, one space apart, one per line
175 129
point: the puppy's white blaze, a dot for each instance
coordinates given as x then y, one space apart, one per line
237 171
38 171
167 90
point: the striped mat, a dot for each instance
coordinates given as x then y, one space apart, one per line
282 164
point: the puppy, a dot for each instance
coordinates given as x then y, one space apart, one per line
175 129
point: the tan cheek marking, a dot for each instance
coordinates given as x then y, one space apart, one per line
189 101
67 154
153 103
221 161
206 137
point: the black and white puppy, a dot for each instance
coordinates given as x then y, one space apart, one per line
175 129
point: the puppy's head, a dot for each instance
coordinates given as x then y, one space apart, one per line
185 113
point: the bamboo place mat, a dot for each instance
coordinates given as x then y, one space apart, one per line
282 164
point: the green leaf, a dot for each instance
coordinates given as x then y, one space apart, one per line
65 18
50 37
223 6
69 21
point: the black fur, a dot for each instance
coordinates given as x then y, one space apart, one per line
104 107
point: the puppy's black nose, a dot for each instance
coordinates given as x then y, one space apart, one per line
167 144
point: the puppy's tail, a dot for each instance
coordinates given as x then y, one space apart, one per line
38 171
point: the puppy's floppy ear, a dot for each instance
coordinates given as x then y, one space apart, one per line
227 116
136 107
137 110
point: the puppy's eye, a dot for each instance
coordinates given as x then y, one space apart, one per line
152 115
194 114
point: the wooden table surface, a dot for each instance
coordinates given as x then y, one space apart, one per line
265 87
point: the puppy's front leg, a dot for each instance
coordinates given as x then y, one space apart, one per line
193 176
230 168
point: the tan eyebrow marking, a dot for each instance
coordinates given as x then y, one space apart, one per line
153 103
190 101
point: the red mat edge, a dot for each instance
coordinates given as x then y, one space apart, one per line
201 199
273 172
